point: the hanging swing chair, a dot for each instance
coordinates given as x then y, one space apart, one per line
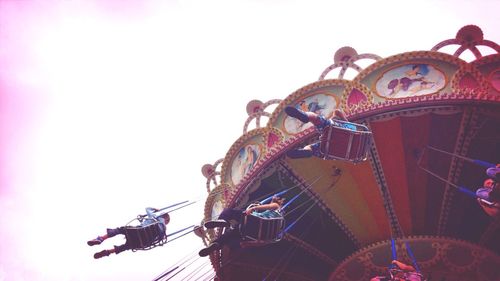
343 140
396 273
489 206
146 237
258 230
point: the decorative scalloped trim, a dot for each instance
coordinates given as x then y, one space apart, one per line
422 101
345 58
476 74
278 133
209 204
347 91
259 113
486 60
213 176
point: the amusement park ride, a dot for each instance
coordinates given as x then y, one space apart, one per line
397 181
401 187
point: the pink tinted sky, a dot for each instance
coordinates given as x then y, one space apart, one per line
107 107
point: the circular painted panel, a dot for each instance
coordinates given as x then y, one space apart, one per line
217 206
410 80
323 104
495 79
244 161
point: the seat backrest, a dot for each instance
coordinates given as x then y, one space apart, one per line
340 143
262 230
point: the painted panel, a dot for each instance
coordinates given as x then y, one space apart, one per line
245 160
322 103
410 80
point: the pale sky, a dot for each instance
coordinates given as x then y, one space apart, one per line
107 107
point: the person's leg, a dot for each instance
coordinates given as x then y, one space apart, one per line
115 249
317 120
97 241
229 237
297 113
110 232
115 231
305 152
308 151
308 116
214 246
224 218
231 214
103 253
120 248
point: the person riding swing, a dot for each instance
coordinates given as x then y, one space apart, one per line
339 139
150 233
488 196
231 220
400 272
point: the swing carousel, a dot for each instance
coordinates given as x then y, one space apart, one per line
400 185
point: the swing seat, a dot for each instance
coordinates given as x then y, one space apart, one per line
259 231
342 140
407 276
145 237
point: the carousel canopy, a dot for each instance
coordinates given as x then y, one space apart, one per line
434 120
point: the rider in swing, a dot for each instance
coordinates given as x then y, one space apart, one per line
489 194
232 236
151 218
401 272
320 122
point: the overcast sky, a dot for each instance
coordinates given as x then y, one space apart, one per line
107 107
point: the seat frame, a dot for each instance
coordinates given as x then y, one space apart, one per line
145 237
269 230
341 143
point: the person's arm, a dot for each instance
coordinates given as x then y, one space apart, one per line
150 212
403 266
270 206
